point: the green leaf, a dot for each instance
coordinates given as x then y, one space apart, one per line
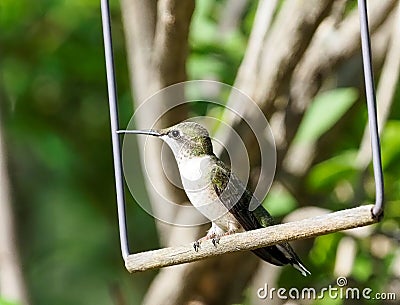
363 268
326 174
15 77
324 250
202 27
390 143
279 202
324 112
7 302
199 65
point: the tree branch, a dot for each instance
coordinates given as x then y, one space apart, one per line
311 227
171 41
329 48
247 75
277 58
292 172
282 55
12 285
230 17
156 35
139 18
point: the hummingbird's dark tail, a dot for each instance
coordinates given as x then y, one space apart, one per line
299 266
282 254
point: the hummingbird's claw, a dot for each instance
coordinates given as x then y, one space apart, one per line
196 246
215 241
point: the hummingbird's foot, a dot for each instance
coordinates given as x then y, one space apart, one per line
215 241
196 245
211 235
214 234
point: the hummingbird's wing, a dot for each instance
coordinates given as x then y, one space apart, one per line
237 198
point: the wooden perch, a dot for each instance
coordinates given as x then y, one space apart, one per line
310 227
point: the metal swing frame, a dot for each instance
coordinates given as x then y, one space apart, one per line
377 209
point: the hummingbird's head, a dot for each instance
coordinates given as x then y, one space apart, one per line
186 139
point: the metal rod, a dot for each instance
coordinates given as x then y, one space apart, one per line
112 99
371 105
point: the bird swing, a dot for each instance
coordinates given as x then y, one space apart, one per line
255 239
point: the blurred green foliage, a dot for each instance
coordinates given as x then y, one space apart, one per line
324 112
6 302
55 115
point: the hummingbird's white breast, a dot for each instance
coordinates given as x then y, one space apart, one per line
196 179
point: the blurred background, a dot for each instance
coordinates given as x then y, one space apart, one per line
300 61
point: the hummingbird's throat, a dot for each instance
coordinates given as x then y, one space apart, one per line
195 175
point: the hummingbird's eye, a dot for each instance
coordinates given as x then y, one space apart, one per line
175 134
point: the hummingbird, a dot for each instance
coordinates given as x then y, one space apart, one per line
214 190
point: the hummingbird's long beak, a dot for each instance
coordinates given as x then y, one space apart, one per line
145 132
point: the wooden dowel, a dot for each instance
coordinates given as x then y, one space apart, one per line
306 228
